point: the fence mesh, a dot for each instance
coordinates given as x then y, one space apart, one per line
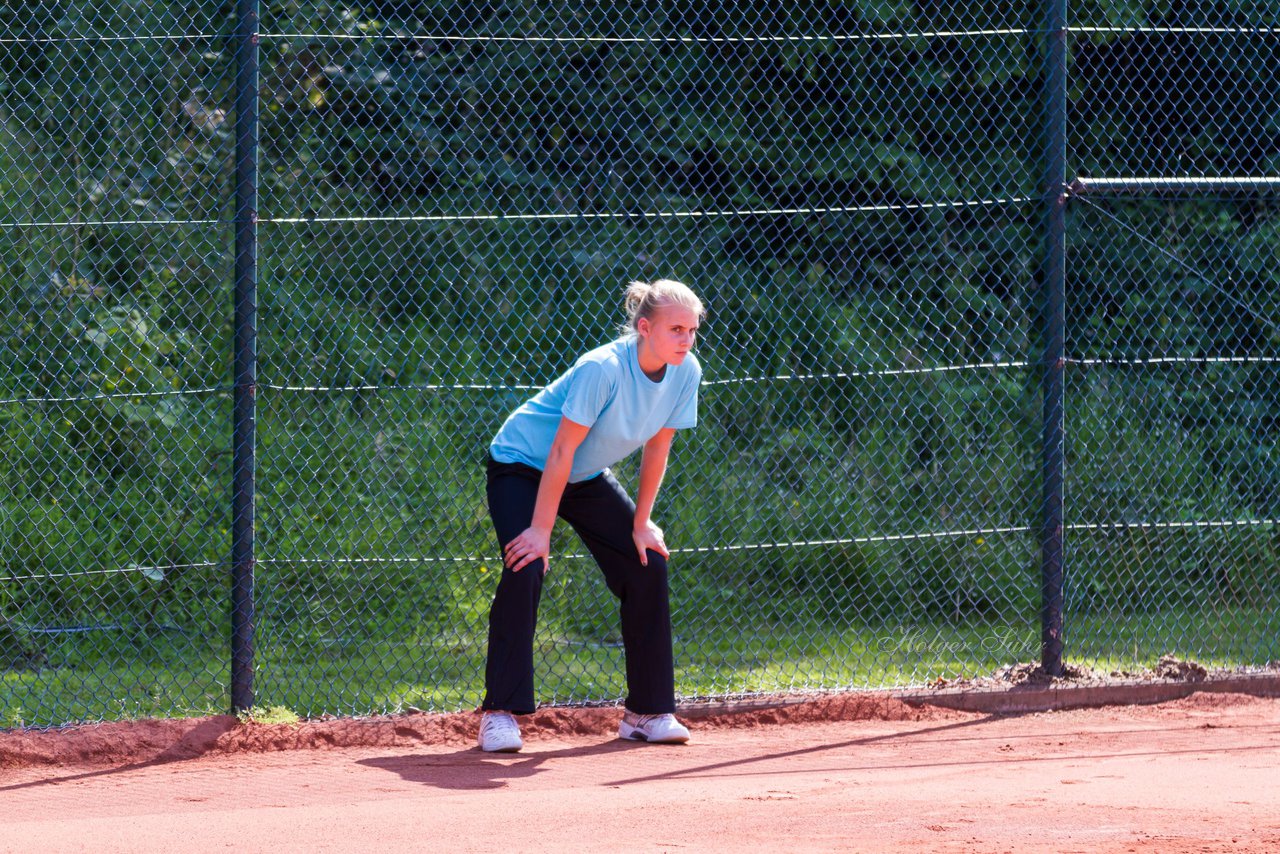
452 196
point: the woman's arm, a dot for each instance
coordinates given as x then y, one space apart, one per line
535 541
653 465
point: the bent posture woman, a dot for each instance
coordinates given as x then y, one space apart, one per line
551 458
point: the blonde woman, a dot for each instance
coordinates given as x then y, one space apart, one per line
551 458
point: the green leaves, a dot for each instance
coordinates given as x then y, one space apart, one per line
134 356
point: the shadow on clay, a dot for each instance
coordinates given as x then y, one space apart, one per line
473 769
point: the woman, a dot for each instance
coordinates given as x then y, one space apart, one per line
551 457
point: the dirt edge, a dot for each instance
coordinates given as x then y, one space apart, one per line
156 741
1060 696
148 742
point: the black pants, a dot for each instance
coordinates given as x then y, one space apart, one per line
602 514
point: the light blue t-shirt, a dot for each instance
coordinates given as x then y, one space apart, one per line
606 391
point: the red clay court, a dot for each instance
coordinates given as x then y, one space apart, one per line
862 772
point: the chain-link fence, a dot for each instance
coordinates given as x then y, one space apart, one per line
280 280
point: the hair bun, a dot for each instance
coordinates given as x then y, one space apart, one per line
642 299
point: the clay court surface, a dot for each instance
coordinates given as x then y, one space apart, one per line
846 773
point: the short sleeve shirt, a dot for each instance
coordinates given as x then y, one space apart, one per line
607 392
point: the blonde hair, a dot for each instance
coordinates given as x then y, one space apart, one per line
643 299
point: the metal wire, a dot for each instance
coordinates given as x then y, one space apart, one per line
450 199
683 40
1209 280
696 214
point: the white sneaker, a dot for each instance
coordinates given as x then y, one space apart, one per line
655 729
499 733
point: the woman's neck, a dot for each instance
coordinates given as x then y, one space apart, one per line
653 367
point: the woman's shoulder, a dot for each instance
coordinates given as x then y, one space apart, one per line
601 367
611 357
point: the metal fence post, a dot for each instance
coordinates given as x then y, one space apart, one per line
246 276
1054 323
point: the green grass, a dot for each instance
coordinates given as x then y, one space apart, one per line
269 715
115 690
1214 636
443 671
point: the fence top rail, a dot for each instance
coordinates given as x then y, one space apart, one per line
1257 30
764 38
1148 185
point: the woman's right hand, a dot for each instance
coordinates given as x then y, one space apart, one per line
530 545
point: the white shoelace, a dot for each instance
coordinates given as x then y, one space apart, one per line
503 725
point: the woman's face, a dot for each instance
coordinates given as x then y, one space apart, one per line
668 334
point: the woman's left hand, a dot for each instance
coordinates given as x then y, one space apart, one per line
649 536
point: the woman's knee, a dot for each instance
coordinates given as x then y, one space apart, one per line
525 583
656 562
651 577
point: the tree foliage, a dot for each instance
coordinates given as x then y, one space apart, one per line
847 202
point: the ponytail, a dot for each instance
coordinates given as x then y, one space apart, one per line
642 299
